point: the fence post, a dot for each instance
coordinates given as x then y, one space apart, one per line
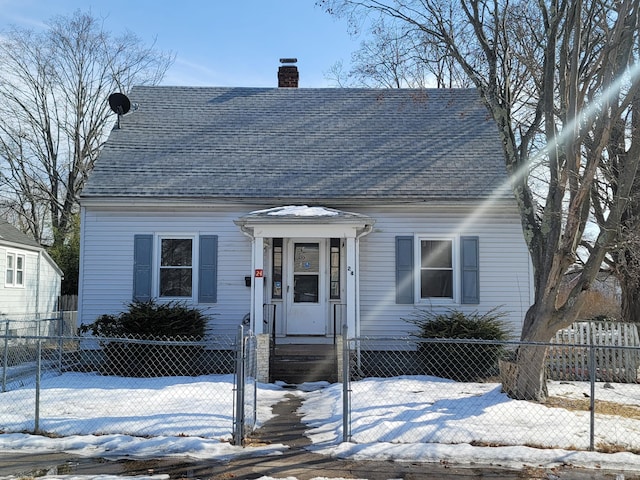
346 368
239 414
592 401
36 421
5 360
60 338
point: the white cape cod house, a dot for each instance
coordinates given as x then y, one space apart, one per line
302 210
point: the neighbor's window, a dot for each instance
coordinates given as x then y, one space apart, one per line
15 270
176 267
436 268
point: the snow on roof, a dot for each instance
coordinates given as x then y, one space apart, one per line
298 211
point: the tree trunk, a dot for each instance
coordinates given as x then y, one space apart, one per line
630 300
531 378
525 377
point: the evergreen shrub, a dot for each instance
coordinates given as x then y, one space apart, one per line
460 360
147 325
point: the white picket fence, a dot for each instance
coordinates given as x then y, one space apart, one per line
616 352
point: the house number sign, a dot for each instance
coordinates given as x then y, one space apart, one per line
259 273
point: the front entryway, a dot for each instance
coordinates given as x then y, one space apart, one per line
306 291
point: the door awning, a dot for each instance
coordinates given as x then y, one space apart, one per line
304 221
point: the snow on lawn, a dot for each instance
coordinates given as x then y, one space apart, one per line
108 415
433 419
404 418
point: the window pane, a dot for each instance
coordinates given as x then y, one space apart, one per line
19 280
19 262
175 282
436 283
305 288
9 274
176 252
334 269
436 253
277 268
306 257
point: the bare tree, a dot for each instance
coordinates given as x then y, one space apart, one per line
395 57
54 114
555 75
623 259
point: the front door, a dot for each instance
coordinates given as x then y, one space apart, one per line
306 287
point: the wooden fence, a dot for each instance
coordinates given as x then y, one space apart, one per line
68 303
616 352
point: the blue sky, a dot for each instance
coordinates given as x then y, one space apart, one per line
216 42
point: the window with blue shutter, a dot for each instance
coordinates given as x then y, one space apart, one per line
470 266
208 269
142 261
174 278
404 270
439 277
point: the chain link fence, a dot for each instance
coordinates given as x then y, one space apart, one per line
19 337
412 390
70 385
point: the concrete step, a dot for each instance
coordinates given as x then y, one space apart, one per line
296 364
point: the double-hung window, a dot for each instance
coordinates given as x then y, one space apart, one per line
436 269
14 276
444 270
176 267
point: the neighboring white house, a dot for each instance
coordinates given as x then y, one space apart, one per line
30 287
307 209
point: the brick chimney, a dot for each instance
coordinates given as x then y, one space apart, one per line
288 73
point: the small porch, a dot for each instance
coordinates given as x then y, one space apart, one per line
304 285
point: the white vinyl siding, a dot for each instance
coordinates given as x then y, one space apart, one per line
505 273
106 283
37 294
504 269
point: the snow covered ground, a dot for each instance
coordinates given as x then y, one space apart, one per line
400 419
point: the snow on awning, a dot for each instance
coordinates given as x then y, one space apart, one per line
303 214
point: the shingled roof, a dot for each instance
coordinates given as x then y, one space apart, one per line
298 144
11 235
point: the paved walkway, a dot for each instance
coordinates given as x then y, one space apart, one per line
296 462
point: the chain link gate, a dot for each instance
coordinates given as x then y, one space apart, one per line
245 410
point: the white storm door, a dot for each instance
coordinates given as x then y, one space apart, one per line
306 292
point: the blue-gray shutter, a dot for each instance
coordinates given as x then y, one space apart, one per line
142 258
470 269
404 270
208 269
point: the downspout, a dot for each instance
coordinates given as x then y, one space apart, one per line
37 286
366 230
249 233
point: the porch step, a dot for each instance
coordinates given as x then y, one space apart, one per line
297 363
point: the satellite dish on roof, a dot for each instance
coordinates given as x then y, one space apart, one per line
120 104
